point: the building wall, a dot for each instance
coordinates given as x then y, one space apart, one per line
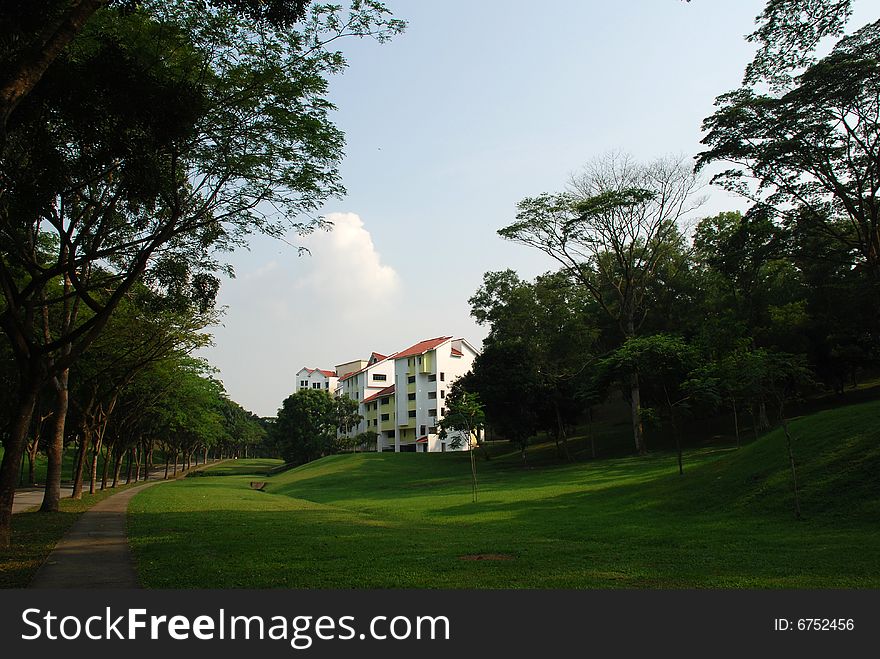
315 380
364 384
423 383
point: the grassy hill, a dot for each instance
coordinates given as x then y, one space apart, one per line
407 520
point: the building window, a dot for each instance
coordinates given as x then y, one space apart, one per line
375 422
432 377
432 430
316 385
442 377
385 417
432 395
304 384
412 414
410 396
432 412
420 361
385 401
380 377
327 385
442 394
411 379
424 430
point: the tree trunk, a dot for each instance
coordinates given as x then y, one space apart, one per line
788 442
105 468
562 434
96 451
590 432
167 462
473 472
117 465
79 461
675 434
763 421
130 466
735 421
636 413
32 467
176 453
27 69
55 445
13 448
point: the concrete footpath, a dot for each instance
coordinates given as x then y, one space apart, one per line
94 553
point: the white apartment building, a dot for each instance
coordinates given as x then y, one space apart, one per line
423 374
316 378
377 374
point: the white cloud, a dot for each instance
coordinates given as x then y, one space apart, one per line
346 270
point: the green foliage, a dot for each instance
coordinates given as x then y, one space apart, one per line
788 33
464 417
809 155
308 422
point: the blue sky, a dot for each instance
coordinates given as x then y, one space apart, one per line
477 105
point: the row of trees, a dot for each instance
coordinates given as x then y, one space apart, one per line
136 394
141 140
735 311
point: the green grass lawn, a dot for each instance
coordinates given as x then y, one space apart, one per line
407 520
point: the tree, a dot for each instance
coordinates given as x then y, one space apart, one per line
506 378
38 31
788 32
465 418
665 365
209 123
810 154
308 423
611 234
554 322
783 377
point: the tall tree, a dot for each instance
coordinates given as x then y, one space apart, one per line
209 124
810 154
611 234
36 32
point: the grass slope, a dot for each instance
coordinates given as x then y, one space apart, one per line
405 520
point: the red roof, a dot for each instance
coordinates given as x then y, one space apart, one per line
378 356
422 347
456 353
387 391
329 374
422 440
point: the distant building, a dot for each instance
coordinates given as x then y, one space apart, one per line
316 378
376 374
423 375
